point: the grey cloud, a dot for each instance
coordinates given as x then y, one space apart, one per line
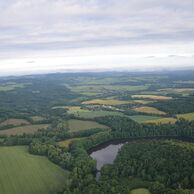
60 24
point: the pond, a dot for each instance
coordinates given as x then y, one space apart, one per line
106 152
105 156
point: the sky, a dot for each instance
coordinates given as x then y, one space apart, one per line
39 36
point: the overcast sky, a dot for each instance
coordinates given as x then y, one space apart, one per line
65 35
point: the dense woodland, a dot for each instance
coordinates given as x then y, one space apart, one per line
181 105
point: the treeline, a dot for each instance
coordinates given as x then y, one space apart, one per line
76 159
122 127
44 135
55 153
167 162
125 127
176 106
113 182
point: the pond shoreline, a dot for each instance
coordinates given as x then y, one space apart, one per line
97 172
133 139
125 140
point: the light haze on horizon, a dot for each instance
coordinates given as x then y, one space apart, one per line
76 35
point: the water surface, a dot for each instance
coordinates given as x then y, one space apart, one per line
104 156
106 152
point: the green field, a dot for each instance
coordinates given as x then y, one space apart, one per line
14 122
11 87
23 173
140 118
99 88
162 120
93 114
140 191
67 107
153 97
37 118
149 110
24 129
77 125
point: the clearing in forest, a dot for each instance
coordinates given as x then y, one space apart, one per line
143 101
92 114
154 97
12 87
150 110
78 125
140 191
66 142
106 102
24 129
140 118
187 116
37 118
13 122
178 89
24 173
162 121
67 107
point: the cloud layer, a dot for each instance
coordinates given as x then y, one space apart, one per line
34 29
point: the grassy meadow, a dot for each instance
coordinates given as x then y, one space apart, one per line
143 101
66 143
154 97
162 120
78 125
67 107
187 116
93 114
23 173
106 102
178 89
24 129
140 191
150 110
37 118
140 118
13 122
11 87
99 89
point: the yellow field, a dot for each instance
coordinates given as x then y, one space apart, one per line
23 129
66 143
78 125
178 89
14 122
106 102
67 107
142 101
37 118
187 116
154 97
140 191
151 110
162 121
